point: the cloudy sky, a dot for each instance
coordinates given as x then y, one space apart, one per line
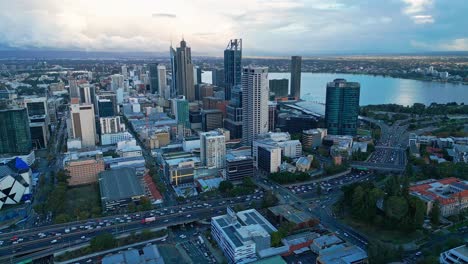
267 27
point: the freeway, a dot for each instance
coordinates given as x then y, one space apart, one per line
57 237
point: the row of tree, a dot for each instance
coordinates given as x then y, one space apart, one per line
418 108
229 189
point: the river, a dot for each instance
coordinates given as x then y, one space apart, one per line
377 89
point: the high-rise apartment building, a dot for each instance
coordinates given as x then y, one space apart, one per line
232 65
15 135
184 72
197 75
87 93
296 62
83 124
212 149
342 107
124 71
211 119
111 125
254 102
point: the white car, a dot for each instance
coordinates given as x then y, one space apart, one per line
53 241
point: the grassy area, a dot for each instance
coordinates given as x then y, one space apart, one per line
454 228
83 201
387 236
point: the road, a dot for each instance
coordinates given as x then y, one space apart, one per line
30 241
323 213
389 154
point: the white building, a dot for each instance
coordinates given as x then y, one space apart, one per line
117 81
268 158
162 81
241 235
111 139
289 148
124 71
111 125
454 255
213 149
82 124
128 148
254 102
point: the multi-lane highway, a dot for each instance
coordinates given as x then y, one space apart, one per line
54 237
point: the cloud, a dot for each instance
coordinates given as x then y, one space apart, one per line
416 6
423 19
417 10
167 15
459 44
280 27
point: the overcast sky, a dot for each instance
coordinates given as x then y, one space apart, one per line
273 27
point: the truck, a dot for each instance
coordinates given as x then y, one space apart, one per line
148 220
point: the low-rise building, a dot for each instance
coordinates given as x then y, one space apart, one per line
15 182
83 167
312 138
241 235
451 193
239 165
289 214
150 255
454 255
342 253
119 187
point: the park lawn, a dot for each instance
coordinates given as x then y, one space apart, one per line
84 200
386 236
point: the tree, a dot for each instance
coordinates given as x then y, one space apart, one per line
435 213
396 207
357 203
315 163
269 200
145 204
225 186
103 242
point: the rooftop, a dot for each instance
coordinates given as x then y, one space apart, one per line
119 184
445 190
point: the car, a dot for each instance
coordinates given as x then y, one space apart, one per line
83 237
89 261
53 241
345 234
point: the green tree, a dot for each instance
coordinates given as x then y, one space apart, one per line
319 190
396 207
225 186
435 213
102 242
357 204
269 199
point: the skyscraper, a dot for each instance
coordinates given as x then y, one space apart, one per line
15 135
342 107
279 87
153 76
217 77
83 124
254 102
197 75
233 120
184 72
232 65
162 82
180 109
296 62
173 57
212 149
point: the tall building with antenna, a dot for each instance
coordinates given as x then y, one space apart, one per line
232 65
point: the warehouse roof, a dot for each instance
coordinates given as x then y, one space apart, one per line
119 184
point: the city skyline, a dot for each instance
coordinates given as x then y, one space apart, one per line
406 26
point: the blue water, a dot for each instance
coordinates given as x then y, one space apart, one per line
377 89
